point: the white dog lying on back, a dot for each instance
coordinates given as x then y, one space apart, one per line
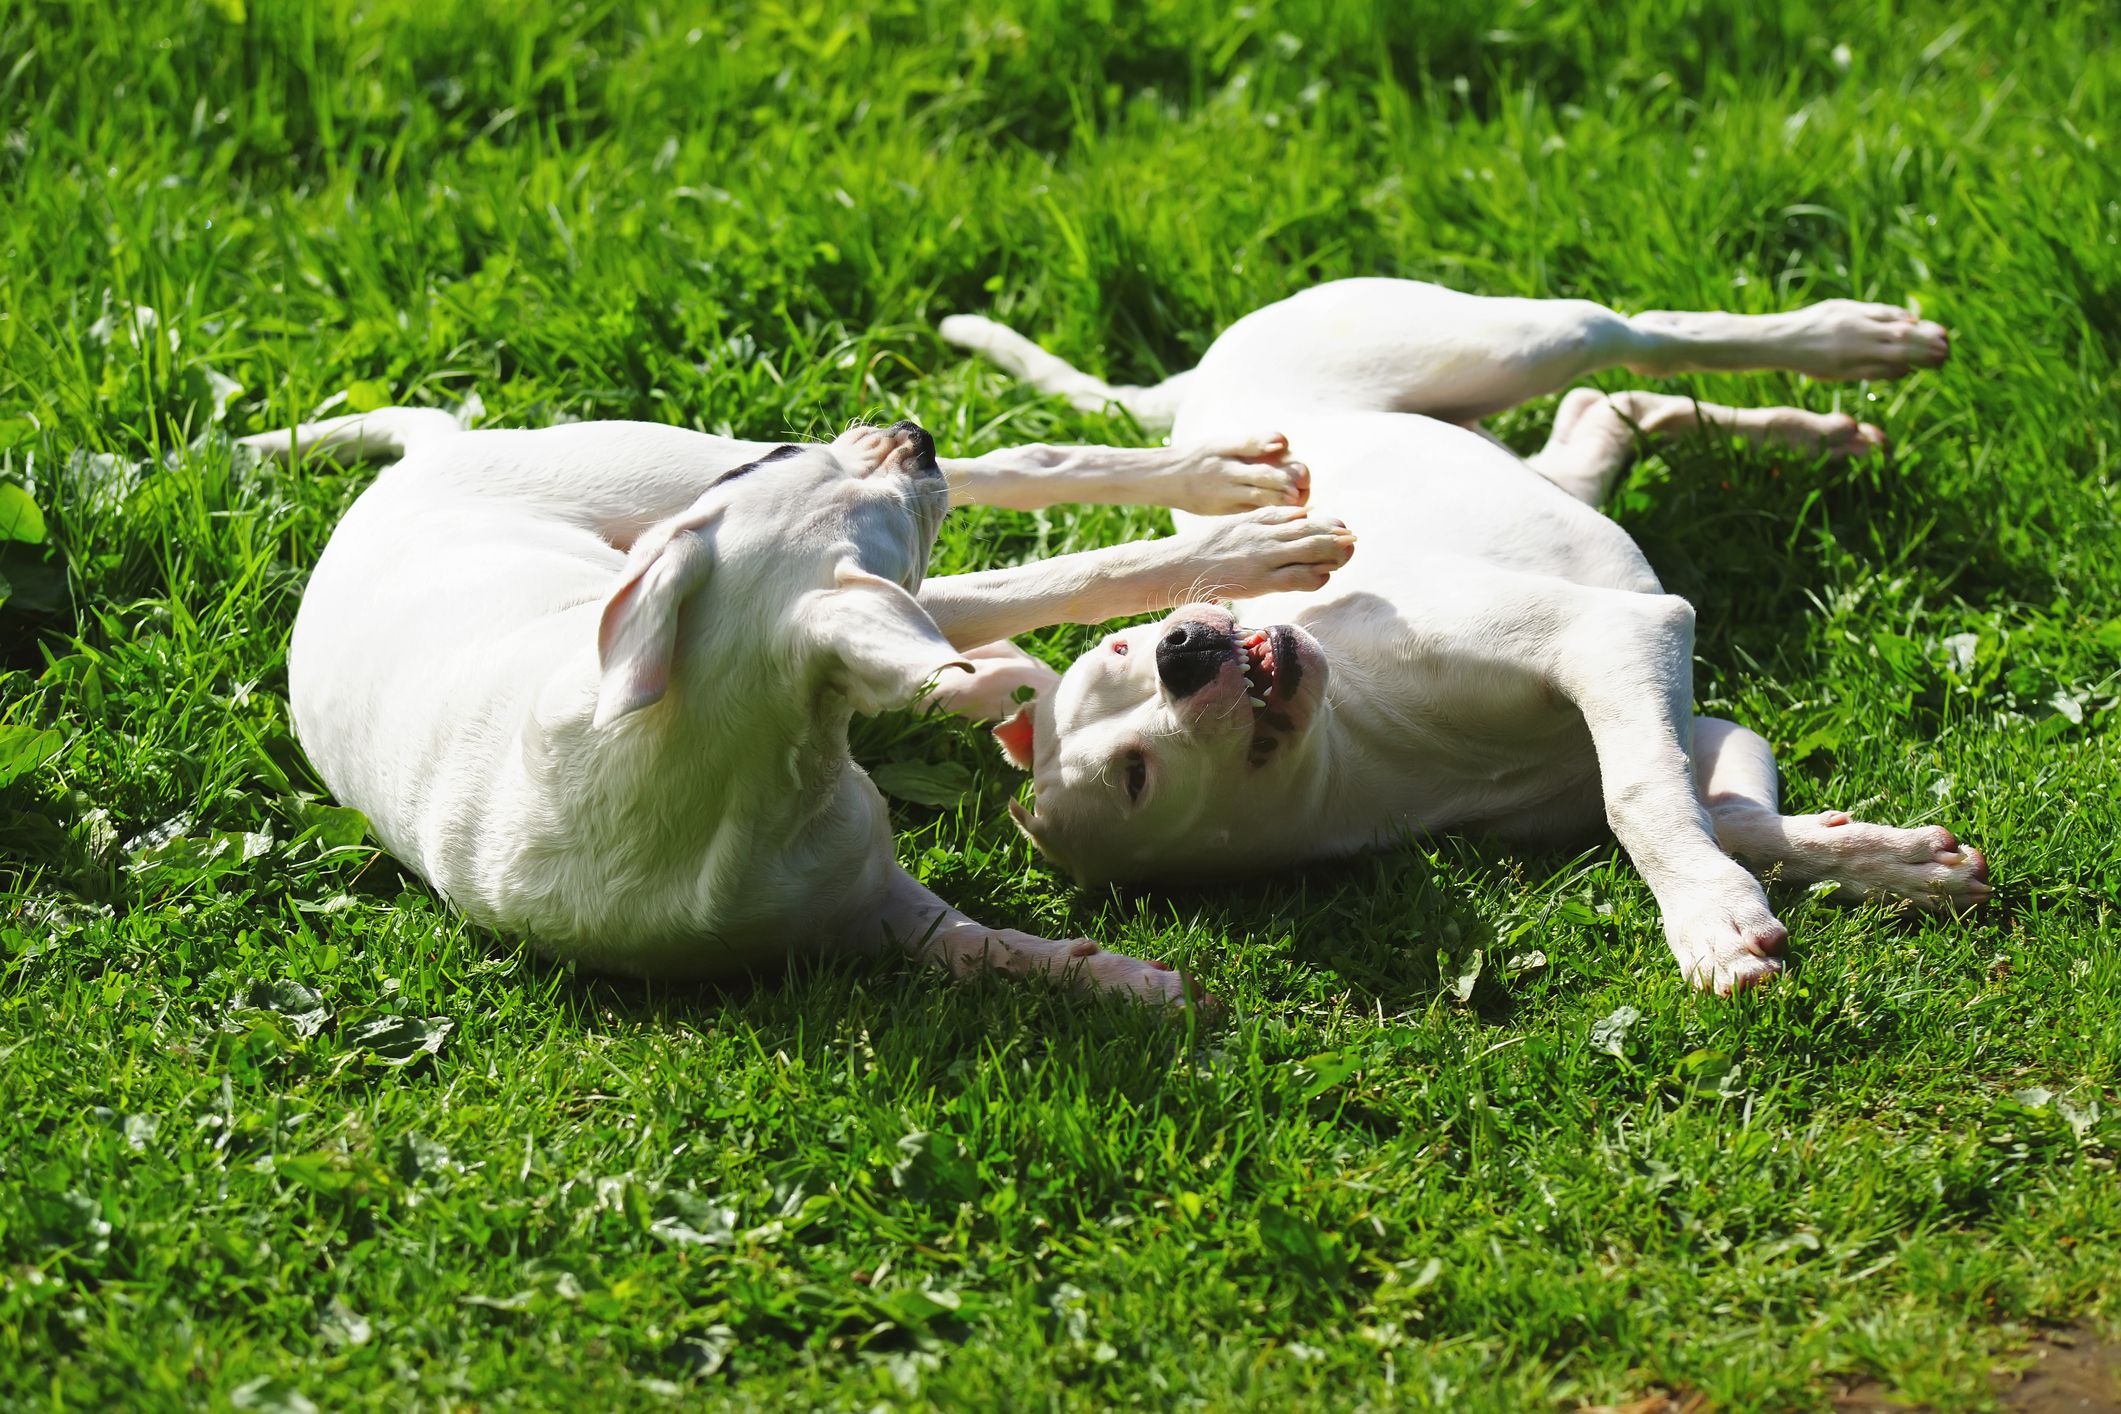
1500 657
593 682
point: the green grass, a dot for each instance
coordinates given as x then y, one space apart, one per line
225 1177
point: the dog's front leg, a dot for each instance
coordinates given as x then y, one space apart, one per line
1214 480
1626 660
1240 557
931 930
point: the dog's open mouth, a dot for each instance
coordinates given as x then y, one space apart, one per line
1274 671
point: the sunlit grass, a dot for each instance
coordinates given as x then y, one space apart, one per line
278 1128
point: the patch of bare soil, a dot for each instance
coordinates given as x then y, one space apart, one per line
2073 1371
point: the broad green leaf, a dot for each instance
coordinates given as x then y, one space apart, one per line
1328 1068
401 1040
19 517
1468 977
24 749
191 858
343 1326
913 1308
938 783
1611 1033
1303 1241
367 395
334 1171
333 826
417 1157
705 1352
302 1007
685 1219
210 391
269 1395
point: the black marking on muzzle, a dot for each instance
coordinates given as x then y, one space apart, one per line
1190 655
921 444
1288 662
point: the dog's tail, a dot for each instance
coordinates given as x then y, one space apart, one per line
386 434
1154 407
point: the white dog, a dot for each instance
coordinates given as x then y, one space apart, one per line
1500 657
593 682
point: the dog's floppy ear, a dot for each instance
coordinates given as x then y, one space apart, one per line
883 646
1018 735
638 634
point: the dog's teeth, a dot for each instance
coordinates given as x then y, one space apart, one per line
1257 701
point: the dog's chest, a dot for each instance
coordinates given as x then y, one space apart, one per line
1463 744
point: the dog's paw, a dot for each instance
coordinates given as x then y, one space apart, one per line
1928 867
988 693
1836 434
1234 477
1153 982
1084 966
1272 551
1846 339
1729 945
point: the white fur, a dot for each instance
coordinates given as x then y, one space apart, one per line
593 682
1500 656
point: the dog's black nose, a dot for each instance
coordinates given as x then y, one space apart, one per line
917 438
1189 655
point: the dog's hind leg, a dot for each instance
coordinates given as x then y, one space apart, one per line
1406 346
1734 770
1153 407
615 478
1595 434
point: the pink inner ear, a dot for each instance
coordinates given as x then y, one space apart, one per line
1016 737
615 609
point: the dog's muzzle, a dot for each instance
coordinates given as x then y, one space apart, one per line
1190 655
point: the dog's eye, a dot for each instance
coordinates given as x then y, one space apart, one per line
1137 774
1119 646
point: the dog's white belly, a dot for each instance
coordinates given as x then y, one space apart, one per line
443 676
1434 734
428 632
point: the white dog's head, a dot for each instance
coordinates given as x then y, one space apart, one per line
786 588
1166 750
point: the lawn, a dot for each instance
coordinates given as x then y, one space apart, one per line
278 1132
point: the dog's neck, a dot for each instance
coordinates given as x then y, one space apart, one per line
1383 757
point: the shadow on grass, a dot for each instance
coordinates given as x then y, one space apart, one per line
1749 538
